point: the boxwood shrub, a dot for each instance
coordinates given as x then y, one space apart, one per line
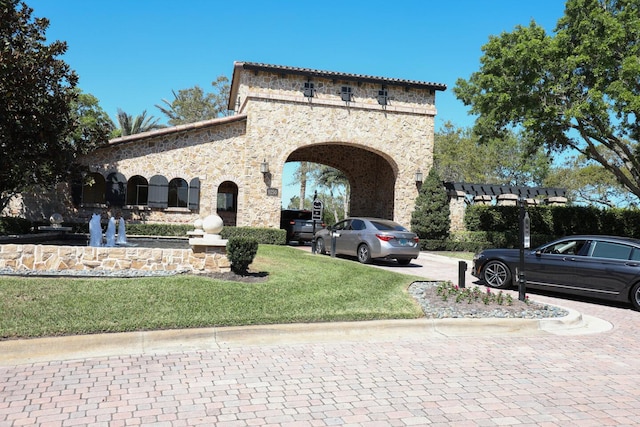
241 252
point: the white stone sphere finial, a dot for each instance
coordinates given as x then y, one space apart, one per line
56 220
212 224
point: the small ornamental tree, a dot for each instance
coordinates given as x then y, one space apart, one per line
430 218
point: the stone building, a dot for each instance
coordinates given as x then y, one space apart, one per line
379 131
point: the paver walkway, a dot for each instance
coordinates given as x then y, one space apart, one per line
541 379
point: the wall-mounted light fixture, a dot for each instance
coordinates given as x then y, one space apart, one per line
308 89
264 167
346 93
383 97
418 176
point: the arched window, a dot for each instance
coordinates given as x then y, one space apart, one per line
137 190
178 193
228 202
93 189
116 189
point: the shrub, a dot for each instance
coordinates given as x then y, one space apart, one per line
430 218
241 252
266 236
12 225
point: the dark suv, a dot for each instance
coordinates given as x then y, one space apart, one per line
298 224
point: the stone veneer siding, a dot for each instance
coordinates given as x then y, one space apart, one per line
85 258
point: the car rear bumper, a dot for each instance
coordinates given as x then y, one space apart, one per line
302 236
388 251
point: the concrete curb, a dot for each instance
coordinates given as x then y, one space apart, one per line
16 352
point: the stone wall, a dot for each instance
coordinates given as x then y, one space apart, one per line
29 257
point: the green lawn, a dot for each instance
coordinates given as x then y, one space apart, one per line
300 288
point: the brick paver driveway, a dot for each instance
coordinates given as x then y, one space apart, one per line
552 380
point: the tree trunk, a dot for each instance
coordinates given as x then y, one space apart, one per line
303 182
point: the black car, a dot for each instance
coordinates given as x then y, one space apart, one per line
298 224
605 267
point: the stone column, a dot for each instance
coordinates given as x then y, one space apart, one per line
507 200
457 207
554 201
482 200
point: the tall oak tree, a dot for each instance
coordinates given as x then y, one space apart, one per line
577 89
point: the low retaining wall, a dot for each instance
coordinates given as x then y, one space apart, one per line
53 258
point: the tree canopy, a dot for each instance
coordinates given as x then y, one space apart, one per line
578 89
459 156
193 105
587 182
40 128
331 186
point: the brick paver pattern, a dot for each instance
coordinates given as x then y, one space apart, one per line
547 380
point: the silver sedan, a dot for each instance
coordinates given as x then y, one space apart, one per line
370 238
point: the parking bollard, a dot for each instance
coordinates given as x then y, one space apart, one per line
462 268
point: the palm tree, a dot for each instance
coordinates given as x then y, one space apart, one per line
130 125
334 180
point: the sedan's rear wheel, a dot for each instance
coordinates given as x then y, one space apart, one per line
364 254
404 261
496 274
320 247
635 296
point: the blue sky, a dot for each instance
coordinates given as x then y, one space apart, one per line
131 54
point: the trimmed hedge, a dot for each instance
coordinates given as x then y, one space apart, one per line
10 225
498 226
269 236
266 236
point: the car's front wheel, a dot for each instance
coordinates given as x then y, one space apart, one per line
364 254
635 296
320 247
496 274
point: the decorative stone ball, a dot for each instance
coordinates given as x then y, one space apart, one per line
212 224
56 219
198 224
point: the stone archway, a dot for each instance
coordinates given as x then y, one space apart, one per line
371 175
378 130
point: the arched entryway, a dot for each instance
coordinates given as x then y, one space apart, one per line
371 175
227 202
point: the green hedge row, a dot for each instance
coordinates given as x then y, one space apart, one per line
498 226
11 225
270 236
266 236
556 220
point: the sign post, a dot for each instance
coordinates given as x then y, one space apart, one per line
316 215
525 243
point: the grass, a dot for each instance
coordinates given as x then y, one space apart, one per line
300 288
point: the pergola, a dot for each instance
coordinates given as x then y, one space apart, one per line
497 190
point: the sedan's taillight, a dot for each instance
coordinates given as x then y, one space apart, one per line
384 237
416 239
